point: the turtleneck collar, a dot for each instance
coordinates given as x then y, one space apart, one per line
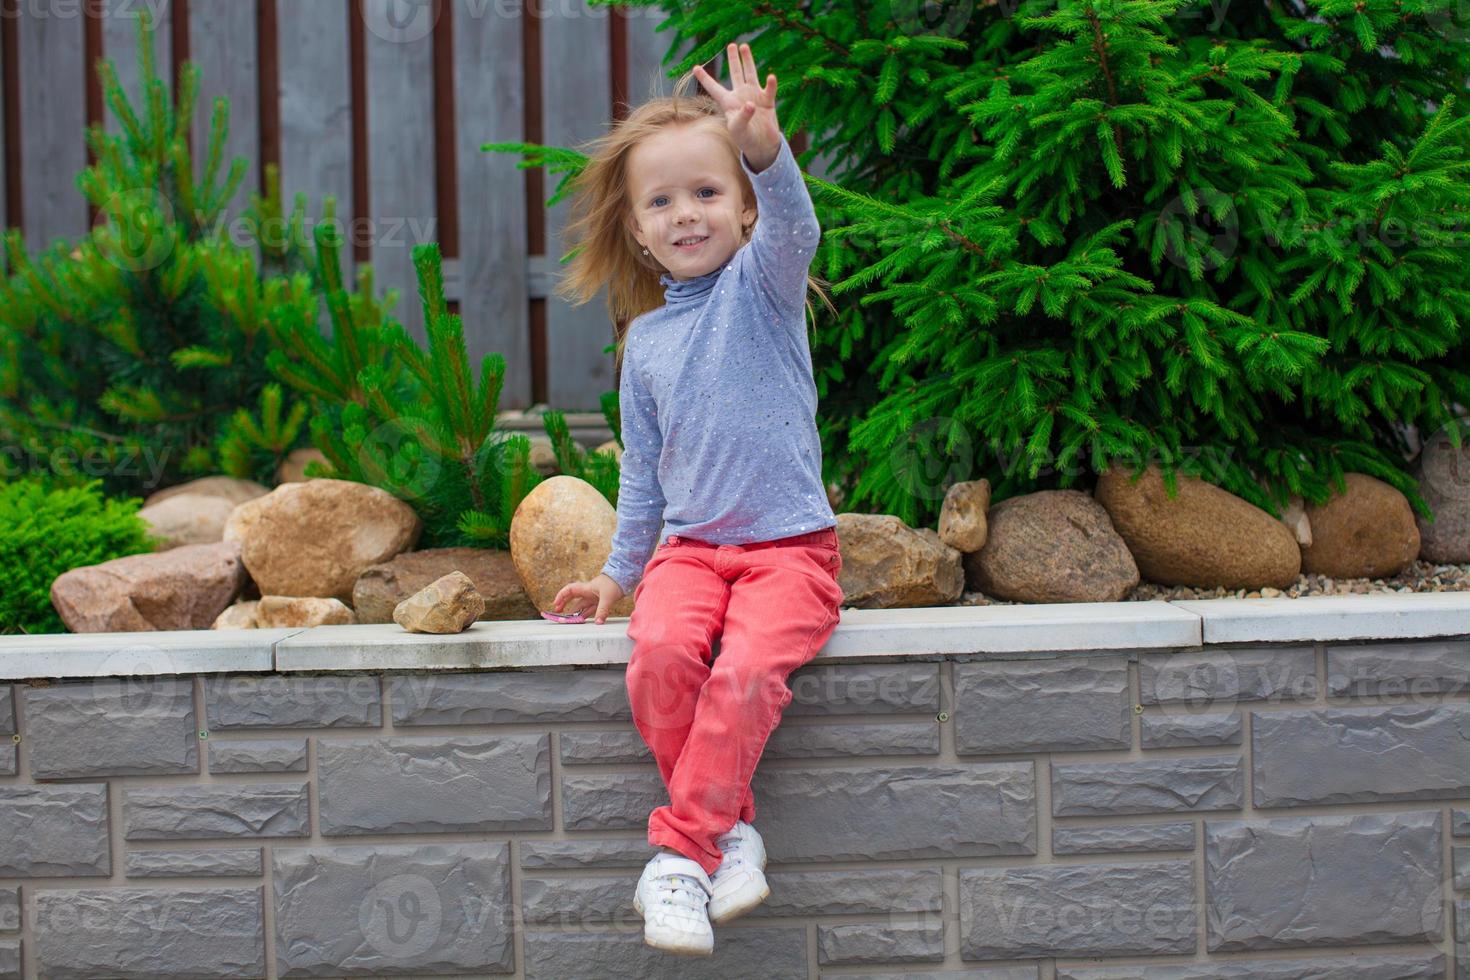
678 291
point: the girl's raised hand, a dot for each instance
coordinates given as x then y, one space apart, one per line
750 109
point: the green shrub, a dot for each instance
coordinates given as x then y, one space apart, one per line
1229 239
46 530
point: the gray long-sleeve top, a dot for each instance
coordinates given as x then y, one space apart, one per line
718 400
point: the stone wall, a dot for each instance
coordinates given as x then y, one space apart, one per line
1268 810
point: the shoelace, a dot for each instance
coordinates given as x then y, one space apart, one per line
731 848
695 888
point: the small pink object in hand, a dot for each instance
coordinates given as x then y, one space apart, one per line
556 617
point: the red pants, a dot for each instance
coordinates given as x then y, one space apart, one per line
773 605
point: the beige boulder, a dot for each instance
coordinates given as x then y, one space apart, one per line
240 616
886 564
244 515
279 611
1443 473
1367 531
611 446
562 532
1052 546
316 538
184 588
187 518
962 523
230 488
293 467
1204 536
447 605
380 589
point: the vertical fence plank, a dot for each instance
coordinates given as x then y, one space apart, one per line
647 76
489 99
4 217
223 43
574 83
53 112
120 43
399 52
316 108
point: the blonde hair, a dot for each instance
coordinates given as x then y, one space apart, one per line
606 253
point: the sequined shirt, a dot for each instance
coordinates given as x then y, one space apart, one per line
717 396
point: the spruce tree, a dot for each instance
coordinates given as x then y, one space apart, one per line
124 355
1228 238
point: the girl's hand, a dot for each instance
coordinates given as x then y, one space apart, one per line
750 110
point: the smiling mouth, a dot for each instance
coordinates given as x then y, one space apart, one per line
696 241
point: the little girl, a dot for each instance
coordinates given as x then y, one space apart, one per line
693 212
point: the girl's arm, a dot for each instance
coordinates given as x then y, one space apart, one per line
640 498
784 240
786 233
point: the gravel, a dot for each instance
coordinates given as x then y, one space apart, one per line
1421 576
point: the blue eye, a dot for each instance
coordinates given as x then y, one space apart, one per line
655 202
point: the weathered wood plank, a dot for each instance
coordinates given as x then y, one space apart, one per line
316 107
574 83
120 43
647 76
399 53
224 44
489 103
53 119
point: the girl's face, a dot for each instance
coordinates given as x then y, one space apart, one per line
683 186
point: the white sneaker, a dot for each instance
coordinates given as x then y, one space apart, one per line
739 883
673 898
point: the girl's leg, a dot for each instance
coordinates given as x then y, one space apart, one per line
783 605
679 607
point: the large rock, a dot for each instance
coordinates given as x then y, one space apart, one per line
287 611
242 518
236 491
1366 532
183 588
381 588
187 518
887 565
241 616
1052 546
1204 537
448 605
1443 473
562 532
316 538
962 523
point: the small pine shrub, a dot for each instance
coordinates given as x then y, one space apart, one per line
46 530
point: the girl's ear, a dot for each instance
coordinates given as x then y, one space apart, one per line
632 225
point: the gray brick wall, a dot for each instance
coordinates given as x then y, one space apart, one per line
1283 813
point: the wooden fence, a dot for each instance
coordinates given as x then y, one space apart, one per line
383 104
